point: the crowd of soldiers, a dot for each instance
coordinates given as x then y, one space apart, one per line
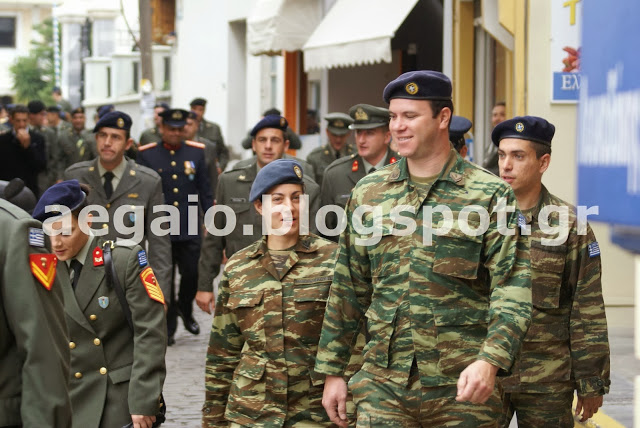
310 329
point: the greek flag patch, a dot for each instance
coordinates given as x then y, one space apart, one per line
36 237
142 258
594 249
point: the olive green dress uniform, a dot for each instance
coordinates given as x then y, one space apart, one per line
150 135
50 174
430 310
307 168
233 191
34 357
211 131
321 157
139 187
259 369
114 373
77 146
566 348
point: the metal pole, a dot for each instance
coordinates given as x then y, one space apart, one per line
56 47
147 99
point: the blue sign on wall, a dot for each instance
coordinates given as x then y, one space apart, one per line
566 86
609 111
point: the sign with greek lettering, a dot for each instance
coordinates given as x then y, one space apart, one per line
609 112
566 23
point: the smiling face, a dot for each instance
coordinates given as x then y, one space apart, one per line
283 195
65 246
519 165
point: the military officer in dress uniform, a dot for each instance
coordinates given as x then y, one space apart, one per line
566 349
120 182
152 135
371 124
233 189
117 371
458 128
34 356
185 181
337 133
210 131
75 144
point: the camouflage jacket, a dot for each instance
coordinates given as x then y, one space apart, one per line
265 334
567 345
448 304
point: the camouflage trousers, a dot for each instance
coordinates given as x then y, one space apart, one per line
539 410
382 403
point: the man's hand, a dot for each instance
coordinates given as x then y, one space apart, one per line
23 137
334 400
476 382
141 421
588 406
204 300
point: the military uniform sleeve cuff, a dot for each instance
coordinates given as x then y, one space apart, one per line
592 386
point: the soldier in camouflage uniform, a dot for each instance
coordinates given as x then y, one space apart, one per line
337 134
566 347
443 318
259 368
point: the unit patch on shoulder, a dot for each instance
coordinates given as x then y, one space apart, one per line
43 267
36 237
151 285
594 249
98 260
142 258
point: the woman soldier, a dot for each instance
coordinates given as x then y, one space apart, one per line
271 302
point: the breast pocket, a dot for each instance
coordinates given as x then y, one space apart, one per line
380 326
461 333
310 296
547 267
248 390
458 254
249 310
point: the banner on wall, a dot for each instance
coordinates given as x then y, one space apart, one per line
566 25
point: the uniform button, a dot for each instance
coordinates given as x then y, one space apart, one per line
96 341
103 370
72 345
175 204
108 206
105 225
207 410
172 152
173 163
174 176
92 317
78 375
175 190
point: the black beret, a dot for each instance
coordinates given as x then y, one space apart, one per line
338 123
366 116
65 194
419 85
175 117
77 110
270 121
280 171
102 110
458 127
53 109
198 102
114 119
36 106
531 128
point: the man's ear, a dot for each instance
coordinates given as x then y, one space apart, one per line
545 161
445 118
129 143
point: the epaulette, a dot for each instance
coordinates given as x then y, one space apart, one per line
147 146
194 144
342 160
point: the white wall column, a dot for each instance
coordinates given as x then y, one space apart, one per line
71 57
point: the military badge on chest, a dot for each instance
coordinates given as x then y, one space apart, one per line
103 301
190 169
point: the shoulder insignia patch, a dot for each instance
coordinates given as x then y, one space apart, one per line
194 144
147 146
354 166
594 249
36 237
393 160
142 258
43 267
151 285
98 260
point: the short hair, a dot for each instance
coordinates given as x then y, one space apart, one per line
438 105
18 108
500 103
540 149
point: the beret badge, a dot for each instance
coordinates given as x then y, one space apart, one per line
411 88
120 122
298 171
283 122
519 127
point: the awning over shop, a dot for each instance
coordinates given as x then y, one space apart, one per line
277 25
356 32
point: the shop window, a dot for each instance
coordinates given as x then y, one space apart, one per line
7 32
163 21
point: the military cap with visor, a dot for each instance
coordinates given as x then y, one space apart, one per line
175 117
366 116
338 123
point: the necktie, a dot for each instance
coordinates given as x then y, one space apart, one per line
371 170
76 267
108 187
337 155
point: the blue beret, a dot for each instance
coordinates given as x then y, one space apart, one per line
175 117
280 171
114 119
270 121
66 193
529 128
105 109
419 85
458 127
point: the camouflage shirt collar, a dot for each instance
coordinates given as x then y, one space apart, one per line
306 244
545 199
453 170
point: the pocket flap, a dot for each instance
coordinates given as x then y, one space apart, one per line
445 317
251 367
549 259
547 332
121 374
314 292
245 300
